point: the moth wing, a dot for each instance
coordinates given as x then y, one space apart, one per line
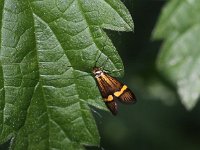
127 96
108 85
112 106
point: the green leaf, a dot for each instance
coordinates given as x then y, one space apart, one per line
179 59
48 49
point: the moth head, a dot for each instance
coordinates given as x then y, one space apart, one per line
97 72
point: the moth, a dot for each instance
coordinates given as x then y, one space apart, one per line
112 90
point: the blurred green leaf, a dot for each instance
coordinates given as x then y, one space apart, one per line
44 101
179 58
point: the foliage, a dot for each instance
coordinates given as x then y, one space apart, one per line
179 59
47 50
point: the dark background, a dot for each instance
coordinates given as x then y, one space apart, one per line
158 121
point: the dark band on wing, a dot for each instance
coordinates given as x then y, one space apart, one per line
127 97
112 106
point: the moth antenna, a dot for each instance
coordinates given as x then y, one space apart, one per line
95 65
104 63
113 71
